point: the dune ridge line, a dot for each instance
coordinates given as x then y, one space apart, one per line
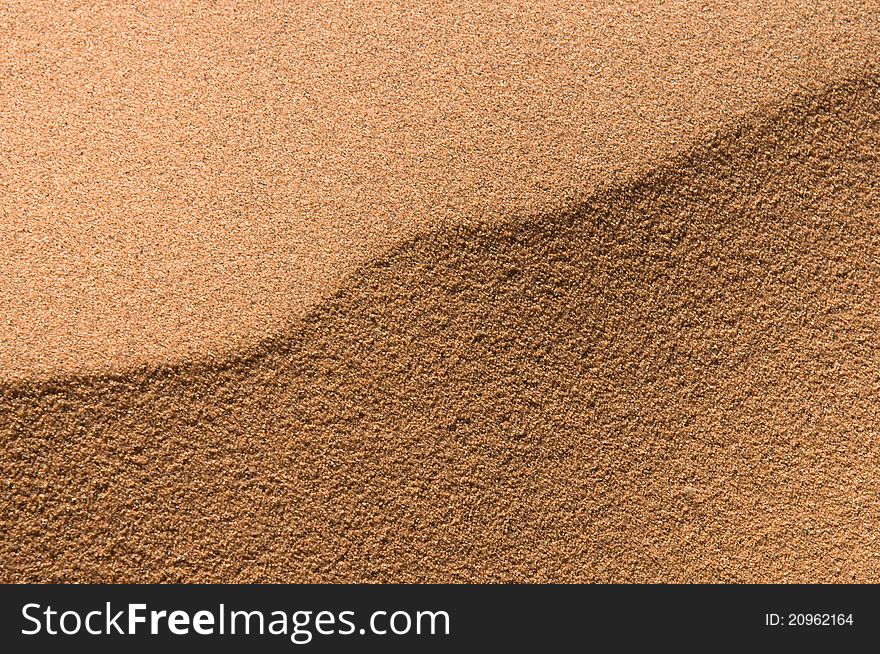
675 381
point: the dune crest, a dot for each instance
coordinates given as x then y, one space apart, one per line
675 380
180 179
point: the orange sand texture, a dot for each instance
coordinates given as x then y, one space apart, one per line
440 291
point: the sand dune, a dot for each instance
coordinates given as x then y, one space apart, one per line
179 180
674 379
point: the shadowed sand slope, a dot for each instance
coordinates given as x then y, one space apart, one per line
676 380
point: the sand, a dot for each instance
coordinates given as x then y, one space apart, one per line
440 292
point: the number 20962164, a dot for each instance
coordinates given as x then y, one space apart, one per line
808 619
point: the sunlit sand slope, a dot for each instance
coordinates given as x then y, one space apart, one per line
676 379
179 180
